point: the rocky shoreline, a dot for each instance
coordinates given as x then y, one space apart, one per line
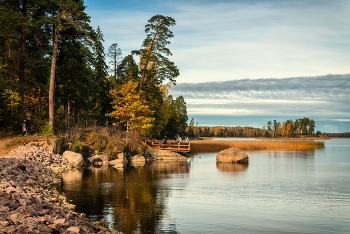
29 201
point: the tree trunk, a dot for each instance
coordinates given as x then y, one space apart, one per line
53 71
22 58
53 81
143 76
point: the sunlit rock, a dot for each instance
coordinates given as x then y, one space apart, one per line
232 155
164 155
75 159
103 158
138 161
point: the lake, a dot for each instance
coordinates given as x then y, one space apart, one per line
277 192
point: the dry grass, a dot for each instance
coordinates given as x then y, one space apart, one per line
9 143
209 145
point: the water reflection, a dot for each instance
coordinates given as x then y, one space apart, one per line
162 168
306 154
73 176
281 192
231 167
133 200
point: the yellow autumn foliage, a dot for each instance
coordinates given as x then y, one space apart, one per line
130 109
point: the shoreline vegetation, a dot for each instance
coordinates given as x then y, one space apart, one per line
212 145
203 144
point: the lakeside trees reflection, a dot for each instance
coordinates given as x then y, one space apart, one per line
133 200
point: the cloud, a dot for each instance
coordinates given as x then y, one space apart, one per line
227 40
322 96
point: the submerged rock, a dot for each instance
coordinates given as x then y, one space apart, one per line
232 155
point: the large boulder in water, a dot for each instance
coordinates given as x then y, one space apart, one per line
75 159
232 155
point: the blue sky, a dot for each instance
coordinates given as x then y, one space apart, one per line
223 40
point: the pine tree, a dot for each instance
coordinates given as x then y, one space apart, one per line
153 61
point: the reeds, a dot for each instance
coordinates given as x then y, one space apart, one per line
209 145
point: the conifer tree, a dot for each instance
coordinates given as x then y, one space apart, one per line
115 53
67 15
153 61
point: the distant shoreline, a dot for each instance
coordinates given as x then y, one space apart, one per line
269 138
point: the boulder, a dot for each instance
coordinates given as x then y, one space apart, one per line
232 155
75 159
138 161
103 157
164 155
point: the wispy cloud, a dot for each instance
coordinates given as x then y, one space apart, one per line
226 40
322 96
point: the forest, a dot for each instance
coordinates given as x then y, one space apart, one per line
55 73
301 127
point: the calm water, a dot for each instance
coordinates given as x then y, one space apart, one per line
278 192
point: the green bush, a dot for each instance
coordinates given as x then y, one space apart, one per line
76 146
47 130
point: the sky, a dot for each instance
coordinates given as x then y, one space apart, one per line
239 51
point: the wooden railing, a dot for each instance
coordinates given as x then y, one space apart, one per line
171 146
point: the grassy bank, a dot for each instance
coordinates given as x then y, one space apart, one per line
209 145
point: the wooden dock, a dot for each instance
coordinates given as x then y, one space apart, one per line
179 147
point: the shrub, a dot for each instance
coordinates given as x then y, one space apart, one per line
76 146
47 130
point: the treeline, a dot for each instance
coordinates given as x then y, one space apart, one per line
344 134
53 71
289 128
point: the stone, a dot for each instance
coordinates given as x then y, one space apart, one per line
232 155
103 157
164 155
75 159
73 229
138 161
29 201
